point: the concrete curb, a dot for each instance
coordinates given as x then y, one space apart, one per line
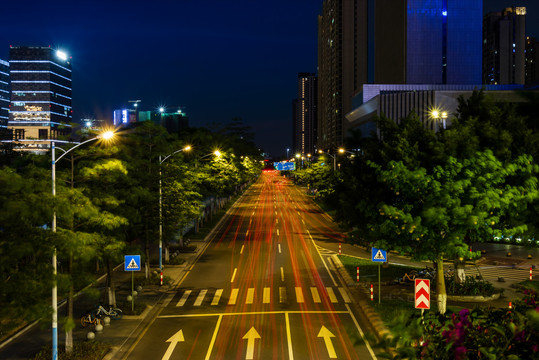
361 302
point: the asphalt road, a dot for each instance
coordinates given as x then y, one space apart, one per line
261 289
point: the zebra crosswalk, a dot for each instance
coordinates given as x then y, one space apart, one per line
495 272
266 295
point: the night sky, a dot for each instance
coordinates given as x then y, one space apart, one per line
216 59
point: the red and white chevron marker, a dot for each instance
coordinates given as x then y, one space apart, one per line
422 294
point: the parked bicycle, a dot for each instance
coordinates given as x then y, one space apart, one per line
88 319
114 313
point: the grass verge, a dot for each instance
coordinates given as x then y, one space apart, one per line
368 270
90 350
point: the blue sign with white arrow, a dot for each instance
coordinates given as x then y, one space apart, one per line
132 263
379 255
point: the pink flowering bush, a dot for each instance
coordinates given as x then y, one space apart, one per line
481 333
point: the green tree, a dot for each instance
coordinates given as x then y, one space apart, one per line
25 243
434 213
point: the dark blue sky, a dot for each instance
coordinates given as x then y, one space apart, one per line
217 59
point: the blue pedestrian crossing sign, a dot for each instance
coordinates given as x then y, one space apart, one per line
132 263
379 255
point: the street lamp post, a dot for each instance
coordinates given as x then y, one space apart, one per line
106 136
341 151
187 148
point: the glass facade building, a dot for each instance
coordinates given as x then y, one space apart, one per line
4 93
40 94
429 42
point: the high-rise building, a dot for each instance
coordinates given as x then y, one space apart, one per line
40 95
427 41
305 114
504 46
435 42
342 65
4 93
532 61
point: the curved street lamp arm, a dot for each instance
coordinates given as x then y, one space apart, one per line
169 155
74 147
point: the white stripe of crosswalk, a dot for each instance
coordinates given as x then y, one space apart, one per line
316 296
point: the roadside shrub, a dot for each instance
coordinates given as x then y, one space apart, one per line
481 333
470 287
90 350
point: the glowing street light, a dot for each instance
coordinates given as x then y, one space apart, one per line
187 148
104 136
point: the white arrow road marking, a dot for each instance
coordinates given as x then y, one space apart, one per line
327 335
251 335
174 340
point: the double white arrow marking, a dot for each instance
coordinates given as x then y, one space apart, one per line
174 340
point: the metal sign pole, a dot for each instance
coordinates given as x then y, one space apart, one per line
379 291
132 290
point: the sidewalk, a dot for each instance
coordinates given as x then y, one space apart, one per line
120 334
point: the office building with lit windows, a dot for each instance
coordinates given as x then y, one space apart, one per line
532 61
504 46
40 95
305 114
4 93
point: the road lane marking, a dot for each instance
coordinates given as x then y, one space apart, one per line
331 295
327 335
289 337
251 336
184 298
299 295
233 297
282 294
174 340
361 332
278 312
200 298
267 295
321 258
277 230
241 251
253 213
344 295
214 336
279 245
250 296
276 213
217 297
282 274
316 295
234 275
247 233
